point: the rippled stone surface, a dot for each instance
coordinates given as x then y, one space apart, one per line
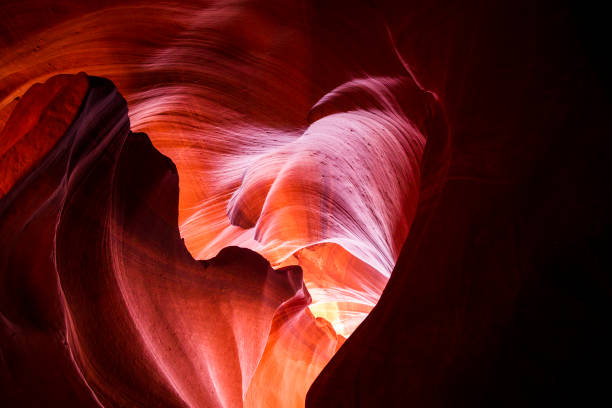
440 166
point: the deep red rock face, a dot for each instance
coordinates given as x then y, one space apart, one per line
300 203
110 292
36 124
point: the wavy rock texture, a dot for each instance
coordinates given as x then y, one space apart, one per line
499 292
316 134
306 164
97 279
329 163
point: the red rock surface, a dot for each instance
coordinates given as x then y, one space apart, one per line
35 123
230 92
98 285
449 159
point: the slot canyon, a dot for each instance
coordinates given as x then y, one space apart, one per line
292 203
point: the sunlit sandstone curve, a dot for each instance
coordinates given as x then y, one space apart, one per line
270 157
304 203
223 116
96 277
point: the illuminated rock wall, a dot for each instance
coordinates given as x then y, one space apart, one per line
401 202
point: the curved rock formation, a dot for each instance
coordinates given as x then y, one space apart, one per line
208 84
97 279
441 166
